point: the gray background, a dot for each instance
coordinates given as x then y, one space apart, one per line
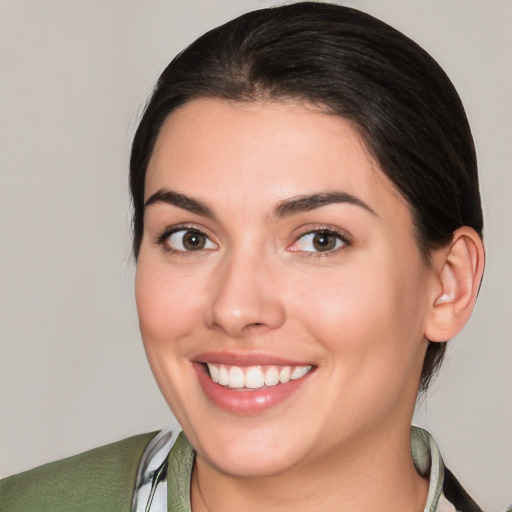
73 77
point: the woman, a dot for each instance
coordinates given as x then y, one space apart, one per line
307 228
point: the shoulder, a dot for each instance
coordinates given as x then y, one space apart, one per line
99 479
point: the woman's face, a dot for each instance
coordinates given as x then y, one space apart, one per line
281 293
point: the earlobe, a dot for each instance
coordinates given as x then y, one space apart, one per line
459 269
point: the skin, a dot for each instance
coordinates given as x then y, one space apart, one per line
357 313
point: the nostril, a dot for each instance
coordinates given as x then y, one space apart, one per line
255 327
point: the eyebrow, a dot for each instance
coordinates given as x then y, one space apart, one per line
305 203
286 208
181 201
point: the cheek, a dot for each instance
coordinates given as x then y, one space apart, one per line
168 304
346 317
168 312
370 315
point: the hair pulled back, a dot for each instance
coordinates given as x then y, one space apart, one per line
349 64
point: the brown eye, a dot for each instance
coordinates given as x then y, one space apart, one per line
320 241
186 240
324 241
192 241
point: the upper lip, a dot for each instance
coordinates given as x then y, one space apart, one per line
247 359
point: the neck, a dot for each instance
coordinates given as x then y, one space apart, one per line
373 474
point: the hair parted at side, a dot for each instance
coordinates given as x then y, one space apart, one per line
347 63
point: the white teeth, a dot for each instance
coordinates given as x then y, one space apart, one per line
299 371
254 377
214 372
223 376
284 374
271 376
236 377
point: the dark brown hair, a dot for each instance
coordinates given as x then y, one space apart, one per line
352 65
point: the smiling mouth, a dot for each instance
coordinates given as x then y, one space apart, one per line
252 378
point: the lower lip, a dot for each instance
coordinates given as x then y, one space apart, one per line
246 402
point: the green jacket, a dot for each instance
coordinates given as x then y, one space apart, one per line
100 480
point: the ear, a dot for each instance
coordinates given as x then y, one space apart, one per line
459 269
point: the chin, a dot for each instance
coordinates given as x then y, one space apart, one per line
250 453
249 464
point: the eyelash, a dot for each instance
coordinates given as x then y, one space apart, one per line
163 237
340 235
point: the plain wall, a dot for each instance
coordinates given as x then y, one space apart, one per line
73 78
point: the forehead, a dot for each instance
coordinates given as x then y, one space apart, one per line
263 150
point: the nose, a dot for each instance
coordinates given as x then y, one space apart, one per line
245 298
